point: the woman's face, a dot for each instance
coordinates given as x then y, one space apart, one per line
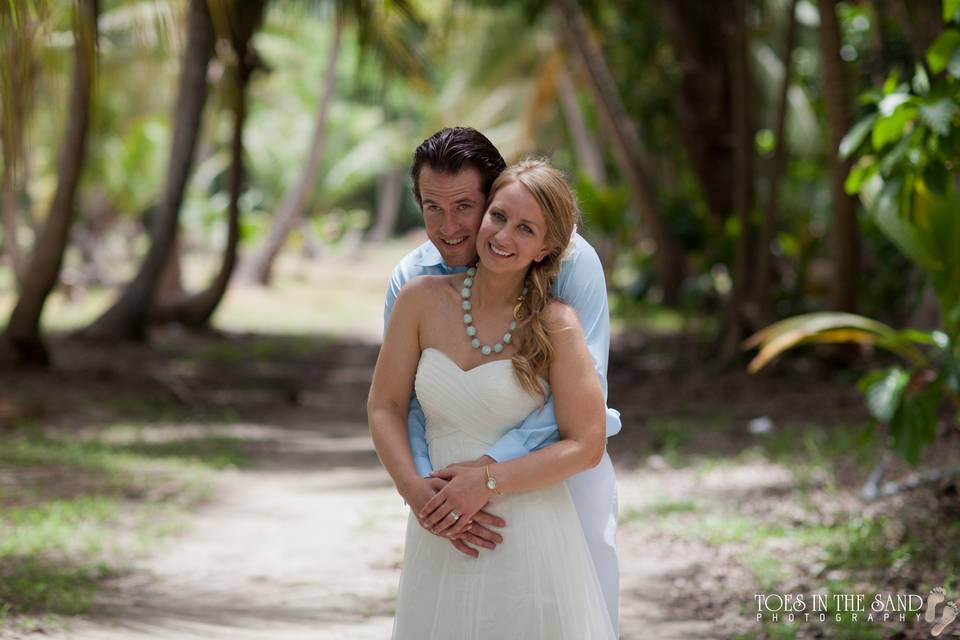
513 231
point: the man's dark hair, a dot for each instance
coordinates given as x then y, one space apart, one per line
453 149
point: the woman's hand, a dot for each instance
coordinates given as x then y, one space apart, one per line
451 511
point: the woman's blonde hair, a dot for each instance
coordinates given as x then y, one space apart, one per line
531 338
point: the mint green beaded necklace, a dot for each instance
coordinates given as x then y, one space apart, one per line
466 292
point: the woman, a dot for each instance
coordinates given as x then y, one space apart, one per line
483 350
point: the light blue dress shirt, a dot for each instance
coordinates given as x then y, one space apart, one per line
581 285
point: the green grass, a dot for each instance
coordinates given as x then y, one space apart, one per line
859 549
260 350
633 314
81 508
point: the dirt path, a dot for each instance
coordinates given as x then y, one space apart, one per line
307 541
287 551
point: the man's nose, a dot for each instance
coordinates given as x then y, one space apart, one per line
448 225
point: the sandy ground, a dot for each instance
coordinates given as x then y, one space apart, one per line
288 552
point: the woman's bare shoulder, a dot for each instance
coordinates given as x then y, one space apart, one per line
422 287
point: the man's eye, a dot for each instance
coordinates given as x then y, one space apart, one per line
463 207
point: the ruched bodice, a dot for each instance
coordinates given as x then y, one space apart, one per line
477 406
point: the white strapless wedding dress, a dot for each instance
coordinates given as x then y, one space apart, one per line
540 583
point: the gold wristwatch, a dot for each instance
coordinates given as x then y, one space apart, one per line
491 481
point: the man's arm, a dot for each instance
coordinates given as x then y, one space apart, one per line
416 421
582 286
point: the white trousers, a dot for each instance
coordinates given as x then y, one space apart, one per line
594 494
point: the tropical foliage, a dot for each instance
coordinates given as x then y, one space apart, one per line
908 144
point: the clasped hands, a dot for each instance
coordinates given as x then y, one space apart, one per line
450 504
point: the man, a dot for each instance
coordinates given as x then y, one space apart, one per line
452 172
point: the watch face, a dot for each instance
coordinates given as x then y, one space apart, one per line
491 484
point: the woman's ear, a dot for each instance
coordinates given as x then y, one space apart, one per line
544 252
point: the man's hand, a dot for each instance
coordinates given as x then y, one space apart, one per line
480 535
452 509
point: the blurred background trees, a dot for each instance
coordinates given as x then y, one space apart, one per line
707 142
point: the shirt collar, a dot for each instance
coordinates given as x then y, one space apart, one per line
429 256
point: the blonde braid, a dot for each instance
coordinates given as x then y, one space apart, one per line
534 350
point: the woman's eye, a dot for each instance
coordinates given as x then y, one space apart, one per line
499 216
525 229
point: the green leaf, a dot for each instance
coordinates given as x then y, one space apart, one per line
857 134
892 102
883 393
885 209
936 178
859 174
950 10
953 67
921 80
917 336
890 128
938 115
942 50
890 84
891 158
914 425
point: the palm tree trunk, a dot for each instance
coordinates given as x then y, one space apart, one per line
170 285
737 321
18 34
668 257
389 198
127 318
764 271
844 231
196 311
23 331
699 33
589 156
10 207
258 268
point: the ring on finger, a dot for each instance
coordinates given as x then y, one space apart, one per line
455 514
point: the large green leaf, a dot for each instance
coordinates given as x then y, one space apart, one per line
884 205
939 115
941 52
826 327
883 390
857 134
891 127
859 174
950 10
914 424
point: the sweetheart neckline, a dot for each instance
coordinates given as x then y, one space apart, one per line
471 369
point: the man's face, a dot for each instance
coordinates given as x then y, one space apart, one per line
453 206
